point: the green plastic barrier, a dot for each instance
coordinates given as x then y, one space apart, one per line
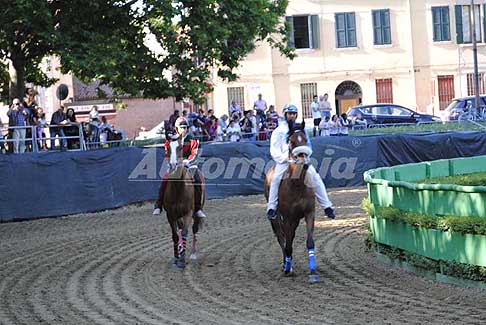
391 187
431 243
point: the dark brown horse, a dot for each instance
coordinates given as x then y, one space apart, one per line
178 202
295 201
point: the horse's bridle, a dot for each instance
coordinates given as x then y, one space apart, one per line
299 150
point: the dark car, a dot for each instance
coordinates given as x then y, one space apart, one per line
459 105
389 114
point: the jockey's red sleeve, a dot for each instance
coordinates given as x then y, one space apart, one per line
166 148
194 149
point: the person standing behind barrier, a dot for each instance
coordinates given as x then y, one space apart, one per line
246 125
260 106
30 105
41 126
94 122
334 126
72 129
105 128
316 114
233 109
19 115
233 131
324 127
345 125
58 120
173 118
324 106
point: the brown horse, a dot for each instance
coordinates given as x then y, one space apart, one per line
178 202
295 201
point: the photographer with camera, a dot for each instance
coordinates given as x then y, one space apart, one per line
19 115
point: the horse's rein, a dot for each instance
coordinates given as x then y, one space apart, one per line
303 149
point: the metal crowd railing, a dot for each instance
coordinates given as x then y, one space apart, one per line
30 141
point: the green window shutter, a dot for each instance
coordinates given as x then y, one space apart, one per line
289 21
446 31
340 30
484 22
350 30
316 40
376 27
385 15
436 23
459 38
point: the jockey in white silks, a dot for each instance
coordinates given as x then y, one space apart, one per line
279 150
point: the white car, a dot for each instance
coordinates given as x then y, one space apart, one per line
156 133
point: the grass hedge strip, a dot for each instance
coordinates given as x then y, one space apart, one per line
456 224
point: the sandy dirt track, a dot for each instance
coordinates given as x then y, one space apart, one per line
114 267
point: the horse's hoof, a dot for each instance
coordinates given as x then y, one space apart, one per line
288 272
181 264
194 257
313 278
174 263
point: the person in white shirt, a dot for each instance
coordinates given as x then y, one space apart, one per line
260 106
233 131
324 106
279 150
316 114
334 126
345 125
324 127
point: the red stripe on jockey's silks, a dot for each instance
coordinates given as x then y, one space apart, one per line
189 148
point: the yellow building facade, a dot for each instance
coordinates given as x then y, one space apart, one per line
416 53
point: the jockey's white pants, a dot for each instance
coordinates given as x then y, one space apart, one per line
313 180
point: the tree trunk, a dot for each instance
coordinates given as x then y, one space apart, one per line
17 74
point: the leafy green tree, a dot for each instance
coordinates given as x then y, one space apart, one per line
107 40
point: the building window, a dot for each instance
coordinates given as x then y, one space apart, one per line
307 92
446 90
440 19
303 31
384 90
464 23
381 26
470 84
238 95
345 30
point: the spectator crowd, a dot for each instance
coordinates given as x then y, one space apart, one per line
26 117
237 125
259 122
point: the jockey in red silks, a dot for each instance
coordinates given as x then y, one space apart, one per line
190 151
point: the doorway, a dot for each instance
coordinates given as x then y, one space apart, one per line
348 94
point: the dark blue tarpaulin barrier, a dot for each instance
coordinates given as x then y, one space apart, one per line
55 183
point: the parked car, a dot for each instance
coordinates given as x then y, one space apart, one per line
458 106
389 114
156 133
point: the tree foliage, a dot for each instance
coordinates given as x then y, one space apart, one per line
107 40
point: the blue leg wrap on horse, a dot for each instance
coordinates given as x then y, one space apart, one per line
288 264
312 260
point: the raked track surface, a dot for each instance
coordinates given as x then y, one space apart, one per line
114 267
